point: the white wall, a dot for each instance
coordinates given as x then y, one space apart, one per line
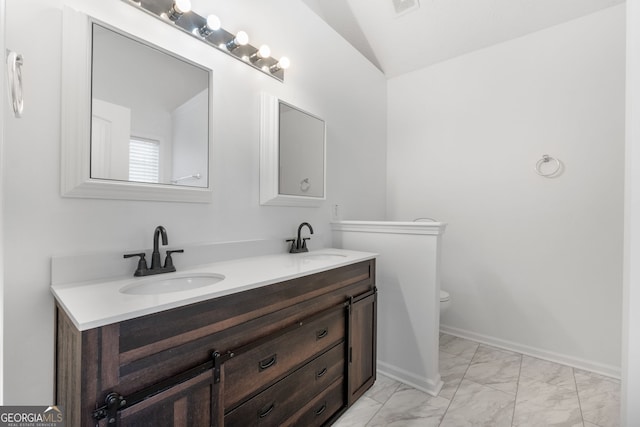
631 313
326 74
188 155
531 263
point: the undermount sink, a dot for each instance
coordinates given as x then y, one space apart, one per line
164 285
324 257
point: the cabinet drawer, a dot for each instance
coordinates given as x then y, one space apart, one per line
321 408
280 401
252 370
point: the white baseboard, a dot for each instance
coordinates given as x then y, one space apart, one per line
431 387
587 365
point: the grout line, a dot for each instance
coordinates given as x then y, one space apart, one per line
491 386
398 384
461 379
573 375
515 400
379 409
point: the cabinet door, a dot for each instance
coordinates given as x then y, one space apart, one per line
189 404
362 345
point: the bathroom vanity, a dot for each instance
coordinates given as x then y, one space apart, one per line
297 348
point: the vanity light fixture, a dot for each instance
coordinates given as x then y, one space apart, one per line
209 30
262 53
178 8
212 24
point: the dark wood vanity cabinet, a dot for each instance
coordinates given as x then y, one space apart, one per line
295 353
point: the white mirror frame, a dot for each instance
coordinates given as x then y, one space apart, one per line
270 155
76 127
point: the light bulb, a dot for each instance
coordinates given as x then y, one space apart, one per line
178 8
284 63
262 53
242 38
213 24
182 6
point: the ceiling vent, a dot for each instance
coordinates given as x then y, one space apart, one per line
405 6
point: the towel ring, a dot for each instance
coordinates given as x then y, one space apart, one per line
546 159
305 185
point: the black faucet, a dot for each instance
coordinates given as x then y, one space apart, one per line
300 244
155 255
156 266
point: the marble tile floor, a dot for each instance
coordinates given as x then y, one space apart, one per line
487 386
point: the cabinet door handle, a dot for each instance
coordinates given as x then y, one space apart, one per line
268 362
321 409
322 333
321 373
263 413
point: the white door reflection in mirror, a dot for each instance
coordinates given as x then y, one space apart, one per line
110 127
167 102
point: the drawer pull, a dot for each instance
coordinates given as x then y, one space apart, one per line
322 333
321 409
321 373
265 412
268 362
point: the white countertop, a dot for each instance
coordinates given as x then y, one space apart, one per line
97 303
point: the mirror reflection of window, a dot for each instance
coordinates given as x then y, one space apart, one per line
144 160
138 89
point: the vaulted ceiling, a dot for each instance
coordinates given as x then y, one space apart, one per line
429 31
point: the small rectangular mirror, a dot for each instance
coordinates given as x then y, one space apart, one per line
136 120
293 155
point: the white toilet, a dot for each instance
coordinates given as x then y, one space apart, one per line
445 301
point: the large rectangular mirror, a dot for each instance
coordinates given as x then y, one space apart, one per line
292 155
136 117
149 113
